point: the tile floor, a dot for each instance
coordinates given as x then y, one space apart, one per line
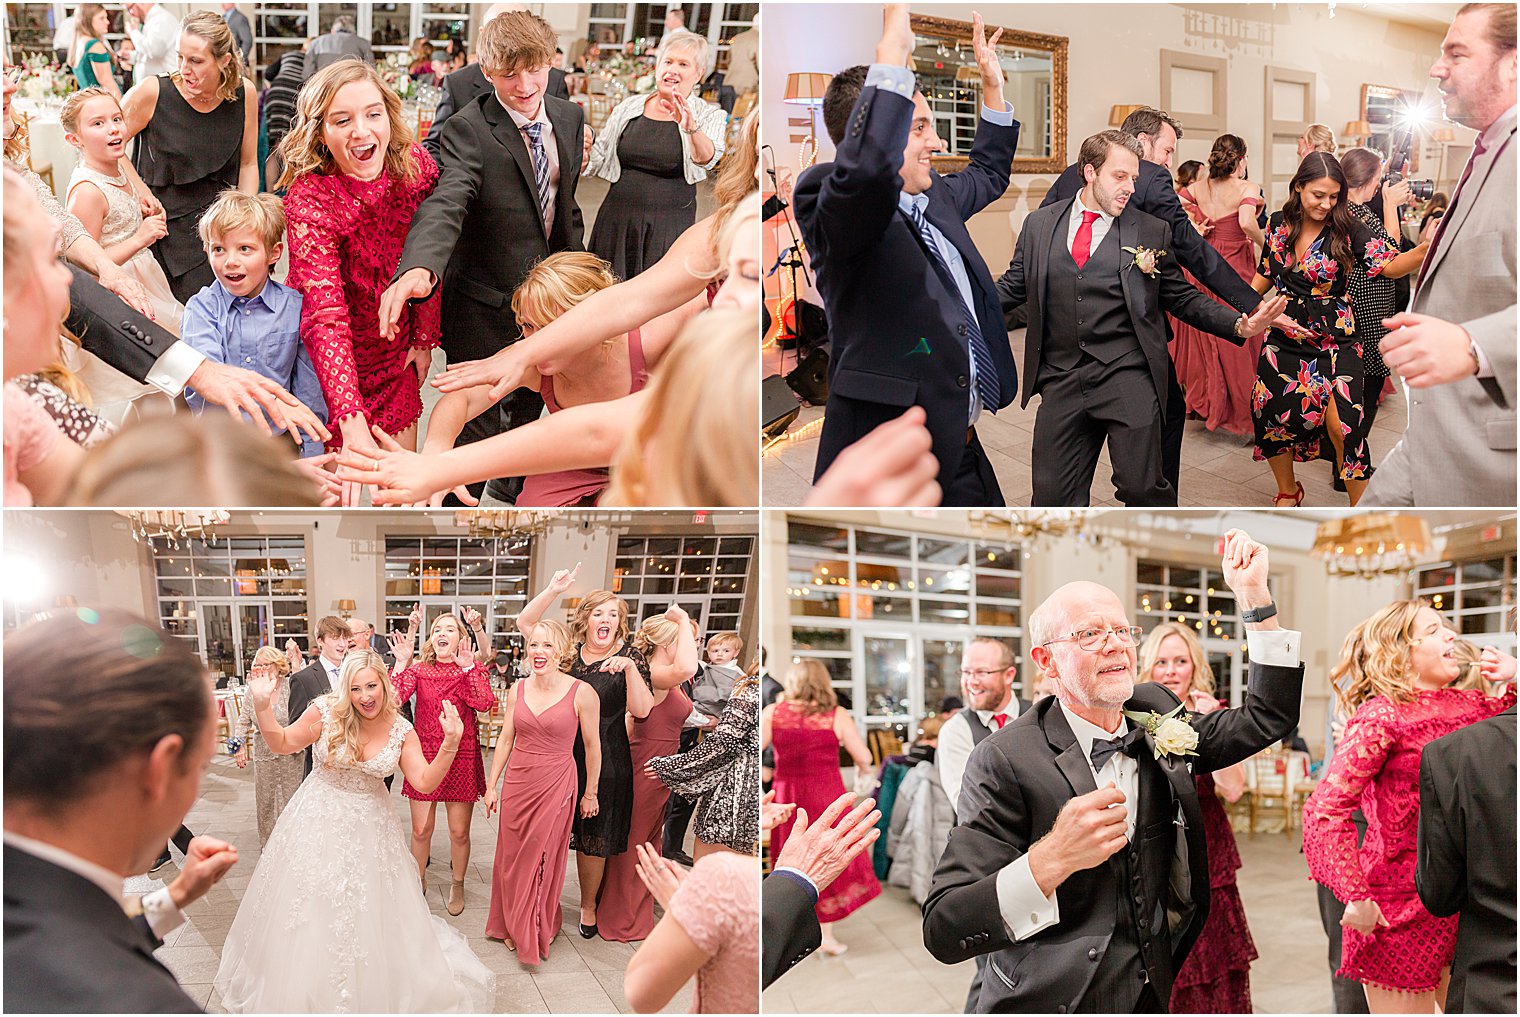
1217 468
579 976
887 969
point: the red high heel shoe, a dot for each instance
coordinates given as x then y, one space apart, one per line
1297 496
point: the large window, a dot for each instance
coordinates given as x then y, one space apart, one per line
708 576
1196 596
449 574
1475 595
888 613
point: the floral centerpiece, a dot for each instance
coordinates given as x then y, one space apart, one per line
396 74
41 81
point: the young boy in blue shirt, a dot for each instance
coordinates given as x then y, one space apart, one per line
245 318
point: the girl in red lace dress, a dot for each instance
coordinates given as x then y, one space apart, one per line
807 726
355 177
1395 675
1216 977
447 672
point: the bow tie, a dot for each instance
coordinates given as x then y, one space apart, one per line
1128 744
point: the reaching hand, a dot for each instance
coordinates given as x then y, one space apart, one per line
453 727
821 850
661 875
1427 351
896 43
329 488
114 278
1245 569
986 55
502 371
1496 666
773 815
261 688
395 475
246 392
1364 916
893 465
415 284
1266 313
206 863
564 579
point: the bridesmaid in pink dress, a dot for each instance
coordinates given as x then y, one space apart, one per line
625 907
543 714
1217 376
807 726
1396 675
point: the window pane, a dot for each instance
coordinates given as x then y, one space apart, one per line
736 545
695 584
946 581
1483 596
1149 573
701 545
879 577
1005 585
942 552
996 614
1483 621
820 639
1441 575
947 611
1490 570
819 602
1186 577
887 545
729 584
831 538
942 662
176 588
886 676
890 608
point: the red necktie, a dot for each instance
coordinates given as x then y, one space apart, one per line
1002 718
1435 241
1081 247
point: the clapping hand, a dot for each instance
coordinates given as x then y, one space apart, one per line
661 875
773 815
453 727
679 111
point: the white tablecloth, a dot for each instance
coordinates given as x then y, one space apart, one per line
48 146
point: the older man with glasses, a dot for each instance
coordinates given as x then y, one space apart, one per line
1079 839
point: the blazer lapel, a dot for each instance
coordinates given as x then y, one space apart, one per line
1464 208
504 128
1129 236
1074 766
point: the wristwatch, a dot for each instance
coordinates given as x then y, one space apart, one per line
1259 614
1472 351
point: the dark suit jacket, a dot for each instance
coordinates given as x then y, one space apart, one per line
461 87
1467 857
113 331
307 684
1016 782
895 318
1146 298
481 230
1155 195
789 929
69 948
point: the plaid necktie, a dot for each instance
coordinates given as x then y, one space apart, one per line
1435 242
535 131
987 385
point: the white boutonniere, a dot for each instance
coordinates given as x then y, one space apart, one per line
1171 733
1146 260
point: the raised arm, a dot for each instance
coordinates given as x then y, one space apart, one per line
304 731
1196 254
676 661
533 612
423 775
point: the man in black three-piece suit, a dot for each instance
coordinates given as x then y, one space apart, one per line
1466 860
1078 862
508 165
1097 275
912 310
1158 133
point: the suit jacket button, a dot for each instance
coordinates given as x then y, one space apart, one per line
1139 901
1092 954
960 329
960 381
1061 1009
963 944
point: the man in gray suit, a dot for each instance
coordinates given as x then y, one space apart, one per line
1455 347
242 32
339 44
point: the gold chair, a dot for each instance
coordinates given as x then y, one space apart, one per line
1269 783
883 742
599 109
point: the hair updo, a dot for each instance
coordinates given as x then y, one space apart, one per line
1225 156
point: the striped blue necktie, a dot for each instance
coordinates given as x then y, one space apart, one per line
987 385
534 131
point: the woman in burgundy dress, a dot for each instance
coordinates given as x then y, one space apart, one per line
447 672
625 909
355 178
1396 675
1216 376
1216 977
806 726
543 715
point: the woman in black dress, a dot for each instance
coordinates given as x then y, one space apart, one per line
1312 388
197 135
653 150
605 659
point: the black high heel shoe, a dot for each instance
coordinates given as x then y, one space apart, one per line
587 931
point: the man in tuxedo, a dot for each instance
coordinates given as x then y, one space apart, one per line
1078 861
321 676
92 792
1454 349
505 200
912 309
1466 858
1097 275
1158 134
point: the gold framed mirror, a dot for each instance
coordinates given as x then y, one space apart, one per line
1035 68
1388 112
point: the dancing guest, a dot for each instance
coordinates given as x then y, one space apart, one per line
283 79
1217 378
1316 138
153 33
93 63
1187 173
109 727
275 776
331 918
1456 343
723 774
625 909
987 674
1401 671
605 659
1216 977
710 931
447 673
1313 389
338 43
197 133
324 673
653 150
616 368
355 179
546 716
807 726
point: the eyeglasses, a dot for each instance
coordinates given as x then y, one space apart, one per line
13 75
1092 639
981 673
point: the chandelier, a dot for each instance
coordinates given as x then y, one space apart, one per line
1371 545
175 525
503 523
1030 526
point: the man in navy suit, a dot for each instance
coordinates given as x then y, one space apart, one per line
913 311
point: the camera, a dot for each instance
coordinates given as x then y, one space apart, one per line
1419 190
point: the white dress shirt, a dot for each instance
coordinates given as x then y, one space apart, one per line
158 907
334 673
155 40
1100 225
551 149
1025 910
955 745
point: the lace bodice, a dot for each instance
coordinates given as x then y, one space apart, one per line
124 213
346 773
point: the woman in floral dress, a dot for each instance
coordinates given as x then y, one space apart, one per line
1312 387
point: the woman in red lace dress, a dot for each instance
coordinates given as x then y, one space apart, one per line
355 177
1216 977
447 672
1396 675
806 726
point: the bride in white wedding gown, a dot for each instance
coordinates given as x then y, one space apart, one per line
334 920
